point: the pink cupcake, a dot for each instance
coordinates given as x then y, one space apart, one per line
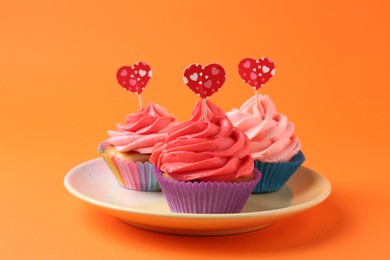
274 146
128 149
205 166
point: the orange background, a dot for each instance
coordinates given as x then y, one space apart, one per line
59 95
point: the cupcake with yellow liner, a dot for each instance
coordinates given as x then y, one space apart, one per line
127 150
204 166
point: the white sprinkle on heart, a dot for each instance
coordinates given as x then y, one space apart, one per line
124 73
185 80
265 69
194 76
214 71
150 73
247 64
273 72
208 84
142 73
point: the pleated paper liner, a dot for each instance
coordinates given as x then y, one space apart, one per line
275 175
131 175
206 197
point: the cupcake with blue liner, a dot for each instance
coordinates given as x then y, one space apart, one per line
275 148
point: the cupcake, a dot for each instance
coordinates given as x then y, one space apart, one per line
204 165
127 150
274 146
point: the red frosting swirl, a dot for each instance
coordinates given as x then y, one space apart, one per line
142 130
200 150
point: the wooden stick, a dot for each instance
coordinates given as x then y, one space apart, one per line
204 109
140 100
256 98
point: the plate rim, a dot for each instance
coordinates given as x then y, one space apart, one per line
266 213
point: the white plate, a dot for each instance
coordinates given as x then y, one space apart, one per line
93 183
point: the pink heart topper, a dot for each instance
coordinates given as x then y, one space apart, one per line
256 72
204 80
134 78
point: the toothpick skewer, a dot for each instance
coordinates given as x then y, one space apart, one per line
140 100
204 109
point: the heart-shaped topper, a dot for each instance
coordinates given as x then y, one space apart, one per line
204 80
256 72
134 78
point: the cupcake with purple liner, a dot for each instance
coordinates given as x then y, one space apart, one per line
275 147
128 149
204 165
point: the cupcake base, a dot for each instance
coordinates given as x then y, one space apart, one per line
275 175
206 197
129 174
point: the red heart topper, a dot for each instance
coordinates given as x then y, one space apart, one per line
134 78
256 72
204 80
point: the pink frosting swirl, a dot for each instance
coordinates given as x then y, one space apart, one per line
142 130
271 134
204 150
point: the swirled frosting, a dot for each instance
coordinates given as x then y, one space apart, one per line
142 130
204 150
271 134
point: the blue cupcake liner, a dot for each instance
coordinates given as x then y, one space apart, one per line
275 175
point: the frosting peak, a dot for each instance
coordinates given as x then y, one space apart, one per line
204 150
142 130
271 134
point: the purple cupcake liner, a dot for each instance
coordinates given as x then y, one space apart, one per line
275 175
206 197
131 175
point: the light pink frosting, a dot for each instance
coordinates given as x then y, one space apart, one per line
204 150
142 130
271 134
